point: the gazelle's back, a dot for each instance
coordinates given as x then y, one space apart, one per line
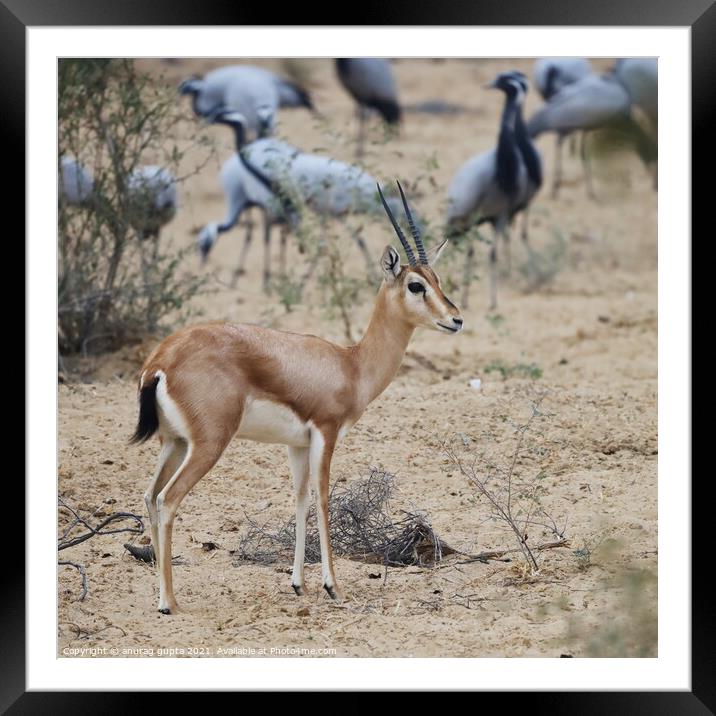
216 373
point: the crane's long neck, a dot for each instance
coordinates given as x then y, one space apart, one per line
239 136
527 149
507 153
381 350
274 187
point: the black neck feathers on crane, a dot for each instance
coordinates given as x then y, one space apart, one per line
529 153
508 158
287 206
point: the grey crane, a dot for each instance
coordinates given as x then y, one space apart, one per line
491 187
151 194
640 75
243 190
152 199
550 75
292 179
254 91
597 101
370 81
75 182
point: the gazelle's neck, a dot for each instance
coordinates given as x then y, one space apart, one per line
381 350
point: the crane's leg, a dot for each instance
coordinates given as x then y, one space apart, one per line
370 266
587 167
320 453
298 459
282 250
525 225
311 267
508 251
557 179
240 271
361 132
318 252
467 275
493 270
267 254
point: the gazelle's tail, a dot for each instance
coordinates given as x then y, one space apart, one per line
148 418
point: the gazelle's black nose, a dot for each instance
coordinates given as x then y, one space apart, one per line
457 321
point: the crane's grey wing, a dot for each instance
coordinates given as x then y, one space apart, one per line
591 102
292 95
550 74
257 100
471 190
233 182
641 78
370 78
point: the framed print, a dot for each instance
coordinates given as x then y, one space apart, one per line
515 512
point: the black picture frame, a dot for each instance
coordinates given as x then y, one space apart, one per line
699 15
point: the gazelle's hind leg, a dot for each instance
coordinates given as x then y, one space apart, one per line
171 456
200 457
320 454
298 459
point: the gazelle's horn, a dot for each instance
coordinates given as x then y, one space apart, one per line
408 251
413 229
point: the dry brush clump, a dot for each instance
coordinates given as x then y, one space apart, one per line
510 483
114 284
362 528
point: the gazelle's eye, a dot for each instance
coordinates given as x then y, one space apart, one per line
416 287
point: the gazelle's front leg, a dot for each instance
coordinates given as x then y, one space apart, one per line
323 443
298 459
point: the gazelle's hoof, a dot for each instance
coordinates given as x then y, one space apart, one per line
298 589
332 593
168 607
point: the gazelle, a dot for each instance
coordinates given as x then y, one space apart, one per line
205 384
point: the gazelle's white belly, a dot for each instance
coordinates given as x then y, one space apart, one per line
267 422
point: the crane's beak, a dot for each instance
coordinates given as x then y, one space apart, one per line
490 85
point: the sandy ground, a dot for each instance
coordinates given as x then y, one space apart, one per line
591 331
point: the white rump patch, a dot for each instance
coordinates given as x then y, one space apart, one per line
171 419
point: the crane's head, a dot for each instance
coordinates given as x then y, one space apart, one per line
192 85
206 239
414 291
513 84
267 120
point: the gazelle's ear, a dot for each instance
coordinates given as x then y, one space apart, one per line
390 263
434 253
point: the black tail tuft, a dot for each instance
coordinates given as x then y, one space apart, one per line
148 419
389 110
